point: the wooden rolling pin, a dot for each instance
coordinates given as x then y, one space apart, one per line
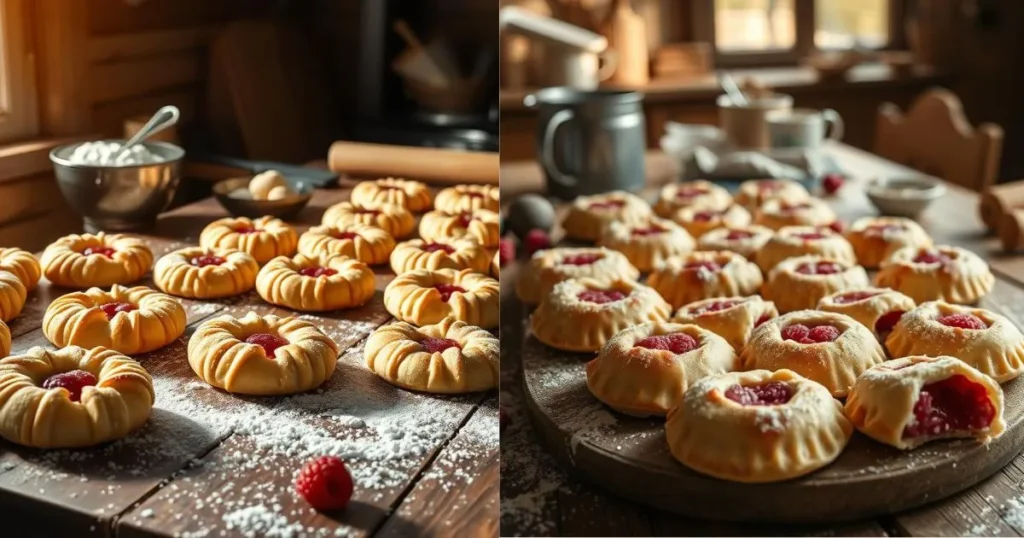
999 201
1011 230
432 165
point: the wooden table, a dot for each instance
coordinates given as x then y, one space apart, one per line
539 498
212 464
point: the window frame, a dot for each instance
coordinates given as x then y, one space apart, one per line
19 106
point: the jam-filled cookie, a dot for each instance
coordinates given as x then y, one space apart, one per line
264 238
412 195
780 212
450 357
426 297
468 198
981 338
875 238
745 240
649 243
757 426
793 241
393 219
130 320
644 369
262 355
23 264
755 192
943 273
704 274
101 260
12 296
699 193
699 221
482 225
368 244
732 318
459 254
829 348
582 314
878 309
588 215
799 283
72 397
199 273
551 266
910 401
316 283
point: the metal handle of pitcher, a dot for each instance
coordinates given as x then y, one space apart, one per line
547 155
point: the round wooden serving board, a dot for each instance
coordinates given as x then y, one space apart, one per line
629 457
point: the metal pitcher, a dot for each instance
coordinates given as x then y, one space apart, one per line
589 142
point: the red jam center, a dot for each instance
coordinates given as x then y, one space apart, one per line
103 251
702 266
366 212
803 334
111 309
819 268
447 290
317 271
883 229
952 405
203 261
853 297
705 216
73 381
472 194
888 320
245 230
716 306
771 393
686 193
677 343
761 320
434 247
963 321
465 219
437 345
650 230
810 236
581 259
601 296
790 208
269 342
932 256
345 235
610 204
738 234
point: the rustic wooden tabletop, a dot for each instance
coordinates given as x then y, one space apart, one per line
541 498
209 463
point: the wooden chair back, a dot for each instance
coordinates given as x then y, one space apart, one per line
934 137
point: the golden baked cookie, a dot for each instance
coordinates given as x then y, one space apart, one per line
551 266
778 213
451 357
878 309
264 238
943 273
981 338
482 225
908 402
12 296
875 238
745 240
199 273
704 274
644 369
130 320
757 427
799 283
453 254
699 193
262 355
368 244
755 192
426 297
582 314
588 215
468 198
316 283
649 243
72 397
699 221
393 219
732 318
101 260
793 241
412 195
829 348
5 340
23 264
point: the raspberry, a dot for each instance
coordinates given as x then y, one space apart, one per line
506 251
716 306
953 404
447 290
888 321
203 261
677 343
73 381
601 296
317 271
702 266
346 235
832 183
797 332
325 483
931 256
704 216
771 393
269 342
836 226
963 321
734 235
824 333
245 230
536 239
853 297
580 259
111 309
465 219
650 230
103 251
819 268
434 247
437 345
610 204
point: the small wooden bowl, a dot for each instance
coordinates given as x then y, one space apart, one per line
229 194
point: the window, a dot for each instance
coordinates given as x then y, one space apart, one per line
850 24
18 106
750 25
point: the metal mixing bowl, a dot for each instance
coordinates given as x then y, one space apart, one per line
119 198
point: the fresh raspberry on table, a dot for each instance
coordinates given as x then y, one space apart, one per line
537 239
506 251
832 183
325 483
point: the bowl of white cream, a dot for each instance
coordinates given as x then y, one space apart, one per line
117 190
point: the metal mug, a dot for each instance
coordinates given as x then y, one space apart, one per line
589 142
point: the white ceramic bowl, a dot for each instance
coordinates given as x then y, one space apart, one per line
904 196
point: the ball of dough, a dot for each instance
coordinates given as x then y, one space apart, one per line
261 185
279 192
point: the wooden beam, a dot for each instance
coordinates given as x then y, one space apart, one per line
114 81
60 45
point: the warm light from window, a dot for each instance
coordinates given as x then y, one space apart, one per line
847 24
754 25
